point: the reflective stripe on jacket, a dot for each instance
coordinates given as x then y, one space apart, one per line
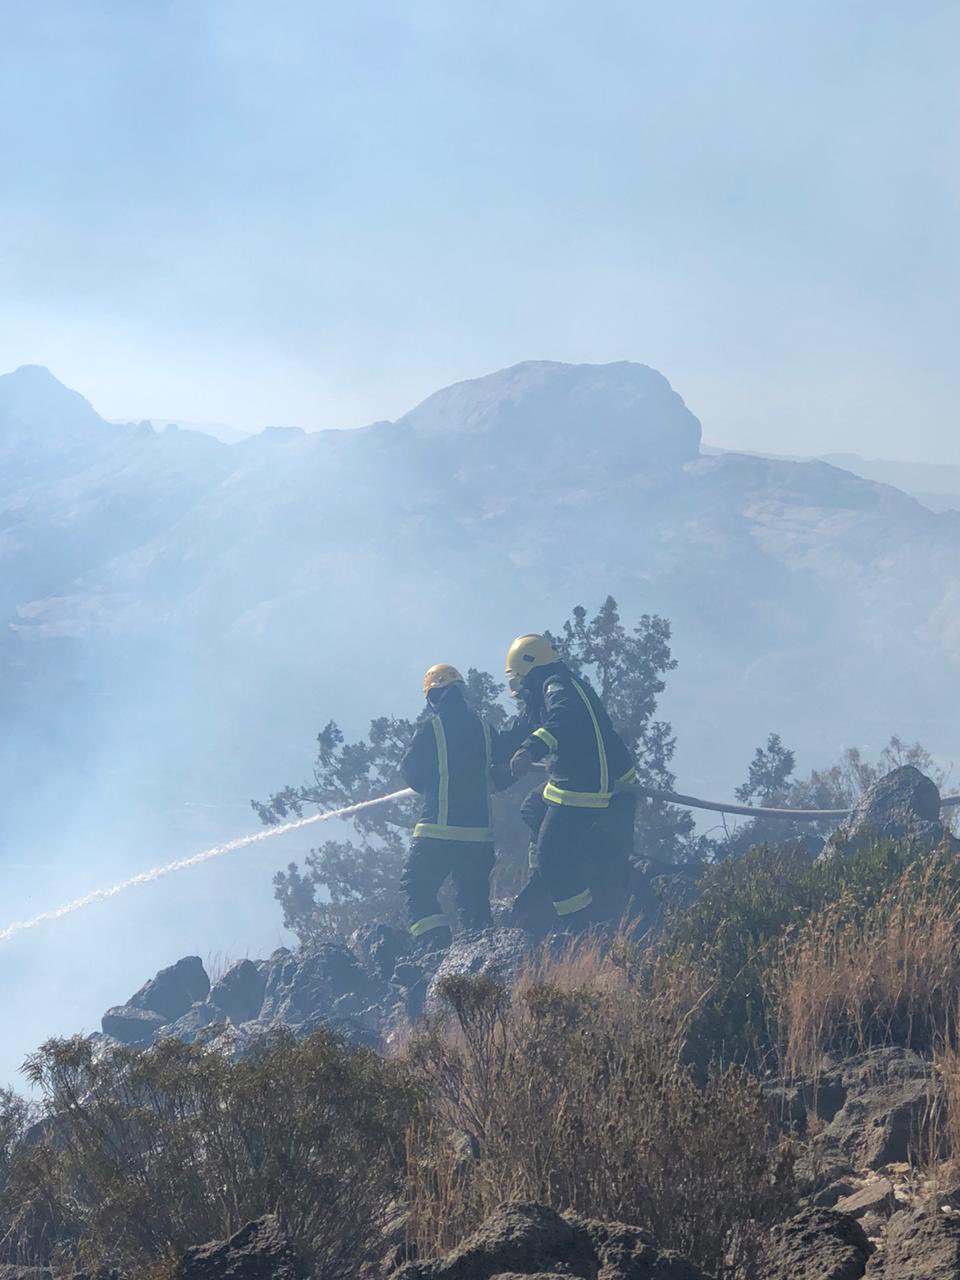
588 760
450 762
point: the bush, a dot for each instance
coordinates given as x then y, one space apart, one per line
857 975
148 1153
573 1093
734 931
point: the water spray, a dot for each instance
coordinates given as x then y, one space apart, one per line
348 811
218 851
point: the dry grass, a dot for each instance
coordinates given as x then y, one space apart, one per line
849 980
573 1092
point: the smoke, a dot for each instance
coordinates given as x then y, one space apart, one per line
182 864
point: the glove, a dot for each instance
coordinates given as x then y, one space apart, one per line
521 762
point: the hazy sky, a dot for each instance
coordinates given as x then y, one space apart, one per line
315 214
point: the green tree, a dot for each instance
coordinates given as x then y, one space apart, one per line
770 772
771 783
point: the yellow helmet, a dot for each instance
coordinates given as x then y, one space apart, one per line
441 676
524 655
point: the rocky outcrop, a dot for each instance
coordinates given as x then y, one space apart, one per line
865 1112
239 993
819 1244
883 1105
495 953
903 805
131 1026
258 1251
919 1246
298 991
174 990
534 1241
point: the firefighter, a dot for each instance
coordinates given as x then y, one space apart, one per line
450 763
582 817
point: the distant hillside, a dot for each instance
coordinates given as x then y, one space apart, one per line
935 485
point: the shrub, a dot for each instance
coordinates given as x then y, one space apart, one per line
148 1153
734 930
574 1093
856 974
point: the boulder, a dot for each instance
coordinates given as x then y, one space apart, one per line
889 1099
258 1251
379 947
301 987
903 805
627 1253
239 993
174 990
818 1244
500 954
531 1240
132 1026
875 1198
919 1246
195 1023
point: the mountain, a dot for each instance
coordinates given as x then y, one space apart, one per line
244 574
934 484
179 616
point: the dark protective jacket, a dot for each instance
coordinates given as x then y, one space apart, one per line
588 759
450 762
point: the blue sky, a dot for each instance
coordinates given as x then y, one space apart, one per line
314 214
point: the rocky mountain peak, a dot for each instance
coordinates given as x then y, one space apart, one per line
626 407
33 400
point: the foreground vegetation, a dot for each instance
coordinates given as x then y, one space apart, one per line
623 1081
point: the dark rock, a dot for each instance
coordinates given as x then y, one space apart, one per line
407 974
874 1225
258 1251
627 1253
530 1240
379 947
353 1030
919 1246
301 988
194 1024
818 1168
876 1197
818 1244
500 954
174 990
827 1197
130 1025
787 1109
891 1096
239 993
524 1238
236 1042
903 805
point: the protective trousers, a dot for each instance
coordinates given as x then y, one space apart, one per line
583 856
428 865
